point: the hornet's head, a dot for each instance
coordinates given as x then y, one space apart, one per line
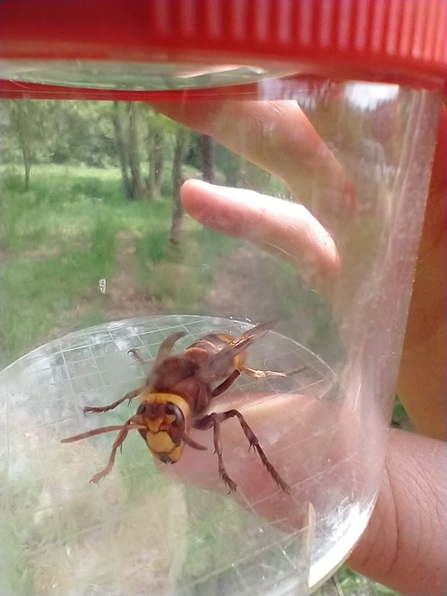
167 417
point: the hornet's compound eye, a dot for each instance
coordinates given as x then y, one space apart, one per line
174 410
141 408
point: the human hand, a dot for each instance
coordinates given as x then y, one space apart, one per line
406 525
404 544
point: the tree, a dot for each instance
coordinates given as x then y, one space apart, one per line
231 164
181 138
138 183
122 151
207 147
156 159
127 142
21 117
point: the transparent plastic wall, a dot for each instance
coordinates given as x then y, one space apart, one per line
123 223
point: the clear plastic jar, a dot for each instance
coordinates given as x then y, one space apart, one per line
289 148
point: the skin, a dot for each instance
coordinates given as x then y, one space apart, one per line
404 545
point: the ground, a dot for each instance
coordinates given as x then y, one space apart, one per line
125 298
242 288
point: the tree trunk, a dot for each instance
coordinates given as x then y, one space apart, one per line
138 184
156 162
233 170
22 127
121 151
208 158
159 156
177 181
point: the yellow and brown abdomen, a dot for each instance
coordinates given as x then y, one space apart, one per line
213 343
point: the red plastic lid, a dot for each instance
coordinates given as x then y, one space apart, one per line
397 41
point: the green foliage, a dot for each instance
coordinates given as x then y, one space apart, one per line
81 133
399 409
61 132
353 584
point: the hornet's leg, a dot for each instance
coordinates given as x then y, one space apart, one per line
101 409
164 350
227 383
167 344
255 374
214 418
116 445
264 374
136 354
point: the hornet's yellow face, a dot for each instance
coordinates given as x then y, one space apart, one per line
165 414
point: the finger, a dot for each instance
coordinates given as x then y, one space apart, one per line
285 426
282 228
278 137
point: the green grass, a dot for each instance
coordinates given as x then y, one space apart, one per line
64 203
351 583
16 569
57 243
61 237
36 292
151 248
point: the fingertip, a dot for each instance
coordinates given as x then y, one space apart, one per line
283 228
